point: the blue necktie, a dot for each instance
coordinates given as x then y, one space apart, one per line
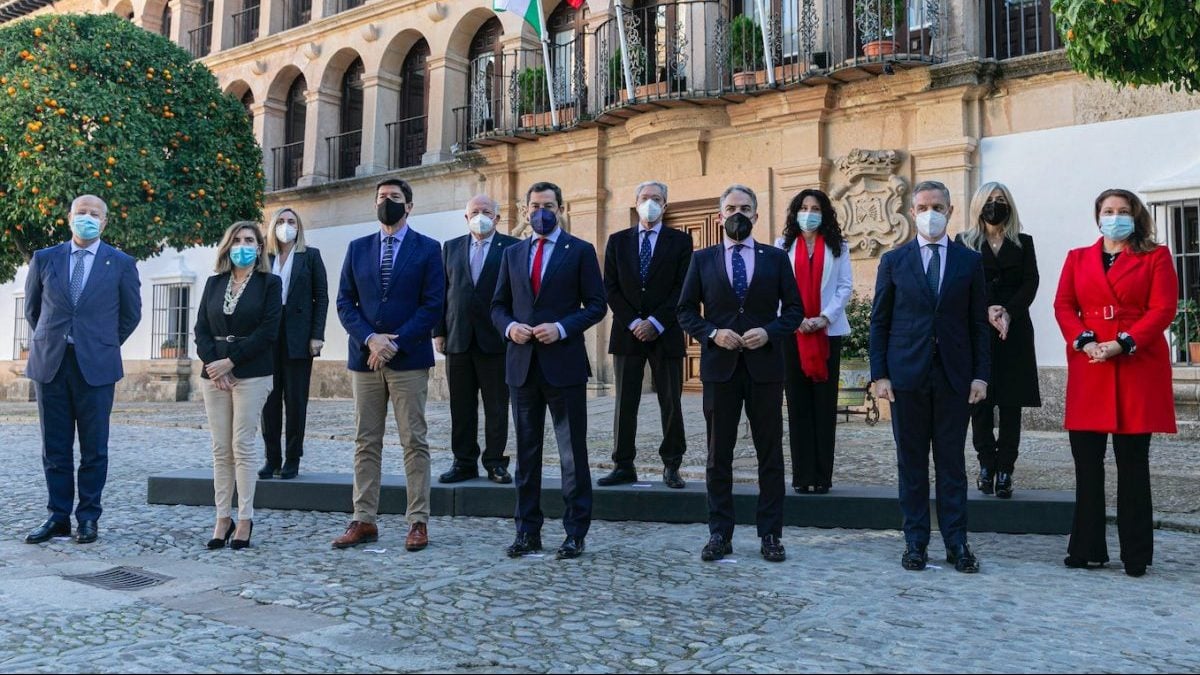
77 276
385 268
644 255
933 273
739 273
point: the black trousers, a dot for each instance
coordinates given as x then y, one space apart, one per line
292 379
996 451
812 416
568 408
667 374
1135 509
471 375
723 403
934 416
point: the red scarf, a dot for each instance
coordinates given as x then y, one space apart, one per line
813 347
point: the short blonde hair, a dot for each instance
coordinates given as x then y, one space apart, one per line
224 265
273 243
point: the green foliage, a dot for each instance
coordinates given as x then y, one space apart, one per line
616 70
531 82
1133 41
745 45
858 313
1186 326
872 22
94 104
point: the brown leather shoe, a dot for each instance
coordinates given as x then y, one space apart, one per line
357 533
418 537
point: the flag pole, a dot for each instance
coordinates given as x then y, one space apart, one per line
545 38
768 53
626 66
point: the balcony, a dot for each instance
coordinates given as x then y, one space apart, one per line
296 13
406 142
245 26
200 41
339 6
1019 28
345 153
692 52
288 163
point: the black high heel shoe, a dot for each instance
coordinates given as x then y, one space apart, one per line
224 541
239 544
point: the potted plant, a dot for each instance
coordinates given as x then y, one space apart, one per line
745 50
169 349
22 351
877 22
855 378
637 62
1185 329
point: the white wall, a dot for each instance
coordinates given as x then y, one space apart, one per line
1055 176
332 241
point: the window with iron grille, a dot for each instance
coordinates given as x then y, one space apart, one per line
1181 219
20 330
171 331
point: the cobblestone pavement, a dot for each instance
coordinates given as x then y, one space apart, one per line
639 600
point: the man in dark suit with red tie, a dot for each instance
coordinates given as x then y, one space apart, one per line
550 291
751 304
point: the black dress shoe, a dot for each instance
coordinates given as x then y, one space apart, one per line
572 547
914 558
802 489
87 532
268 471
672 479
619 476
524 543
290 469
821 489
1135 570
1004 485
499 474
772 549
47 531
717 547
962 558
987 479
458 474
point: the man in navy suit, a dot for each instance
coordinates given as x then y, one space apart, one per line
82 301
751 305
930 356
550 291
389 301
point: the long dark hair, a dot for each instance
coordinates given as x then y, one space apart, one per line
830 229
1142 239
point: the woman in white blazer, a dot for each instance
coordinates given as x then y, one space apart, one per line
821 262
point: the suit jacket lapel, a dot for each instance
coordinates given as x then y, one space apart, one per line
656 258
561 248
1123 266
494 255
758 268
917 266
298 260
100 270
525 248
726 284
60 262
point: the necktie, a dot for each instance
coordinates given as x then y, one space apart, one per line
933 273
77 276
739 273
644 254
476 261
535 276
389 255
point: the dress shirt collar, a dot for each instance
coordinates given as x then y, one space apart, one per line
748 242
92 248
486 241
657 229
552 237
944 242
399 235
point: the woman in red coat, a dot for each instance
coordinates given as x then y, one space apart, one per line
1115 300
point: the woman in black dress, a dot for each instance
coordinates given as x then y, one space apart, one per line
1010 266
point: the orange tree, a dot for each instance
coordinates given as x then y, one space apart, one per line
94 104
1134 41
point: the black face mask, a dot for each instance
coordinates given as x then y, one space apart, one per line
390 212
994 213
738 226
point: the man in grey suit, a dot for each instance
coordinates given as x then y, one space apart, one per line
473 347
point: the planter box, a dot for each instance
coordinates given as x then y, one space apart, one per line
879 48
566 117
169 353
647 91
24 355
853 383
789 71
1194 352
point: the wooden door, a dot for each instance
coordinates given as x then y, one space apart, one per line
700 220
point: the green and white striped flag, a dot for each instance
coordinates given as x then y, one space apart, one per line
531 10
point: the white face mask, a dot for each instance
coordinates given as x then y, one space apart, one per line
809 221
650 211
285 233
931 224
481 224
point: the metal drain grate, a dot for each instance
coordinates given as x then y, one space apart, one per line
120 579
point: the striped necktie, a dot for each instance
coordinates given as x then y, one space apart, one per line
389 256
77 275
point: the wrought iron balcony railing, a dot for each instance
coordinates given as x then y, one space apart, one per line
245 26
1019 28
345 153
406 142
200 41
288 163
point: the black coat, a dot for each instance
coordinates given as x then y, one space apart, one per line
255 320
468 312
772 302
1012 282
657 297
307 304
